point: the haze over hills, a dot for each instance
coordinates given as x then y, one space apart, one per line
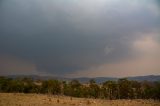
86 79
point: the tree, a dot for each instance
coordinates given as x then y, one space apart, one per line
4 84
74 88
94 89
157 91
150 90
110 89
136 89
51 87
125 89
16 86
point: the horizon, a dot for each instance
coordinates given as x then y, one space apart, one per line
76 77
80 38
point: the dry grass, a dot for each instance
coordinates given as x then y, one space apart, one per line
19 99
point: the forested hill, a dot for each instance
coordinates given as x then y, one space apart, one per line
151 78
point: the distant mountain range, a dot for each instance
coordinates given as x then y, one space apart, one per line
151 78
86 79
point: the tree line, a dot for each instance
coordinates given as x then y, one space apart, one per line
120 89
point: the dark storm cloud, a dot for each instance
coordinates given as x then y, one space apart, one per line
61 36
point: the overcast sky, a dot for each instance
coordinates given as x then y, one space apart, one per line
80 38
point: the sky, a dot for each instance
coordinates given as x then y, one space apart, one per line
80 38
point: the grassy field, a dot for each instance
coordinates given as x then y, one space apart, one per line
19 99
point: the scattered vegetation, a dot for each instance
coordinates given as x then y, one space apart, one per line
111 90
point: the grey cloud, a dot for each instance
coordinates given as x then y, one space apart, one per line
64 36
